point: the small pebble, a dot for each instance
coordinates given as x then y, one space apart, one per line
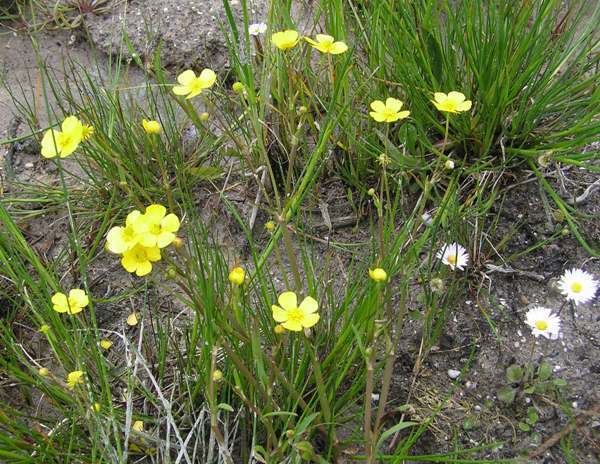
28 165
453 373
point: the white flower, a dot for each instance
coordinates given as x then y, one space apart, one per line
257 28
454 255
543 322
578 285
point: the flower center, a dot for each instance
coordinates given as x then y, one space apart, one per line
451 259
576 287
541 325
295 315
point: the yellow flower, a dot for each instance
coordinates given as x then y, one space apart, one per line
270 226
237 275
132 319
284 40
87 132
151 127
327 44
64 142
96 407
121 239
454 102
293 317
139 259
388 111
44 328
43 372
74 304
138 426
192 85
74 378
156 228
378 274
217 375
105 344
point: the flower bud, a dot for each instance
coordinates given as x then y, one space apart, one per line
238 87
237 276
378 274
204 117
217 375
43 372
449 165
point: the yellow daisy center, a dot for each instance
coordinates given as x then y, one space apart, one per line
295 315
452 259
541 325
576 287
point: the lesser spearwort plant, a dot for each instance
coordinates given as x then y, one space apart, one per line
230 344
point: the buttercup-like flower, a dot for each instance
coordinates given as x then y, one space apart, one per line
237 276
293 317
64 142
155 227
270 226
191 85
454 255
151 126
543 322
388 111
578 286
257 29
132 319
120 239
139 259
105 344
138 426
284 40
378 274
74 304
327 44
74 378
454 102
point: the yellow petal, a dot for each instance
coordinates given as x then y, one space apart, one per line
325 39
293 326
155 213
186 77
279 314
379 117
164 239
338 47
288 300
207 78
311 41
456 96
79 297
132 319
144 268
393 104
403 114
464 106
153 254
309 305
129 262
378 106
72 126
440 97
170 223
310 320
49 143
181 90
115 240
60 302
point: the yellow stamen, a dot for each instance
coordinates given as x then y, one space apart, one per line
576 287
541 325
451 259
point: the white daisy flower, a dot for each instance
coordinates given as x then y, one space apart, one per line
257 28
454 255
543 322
578 285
